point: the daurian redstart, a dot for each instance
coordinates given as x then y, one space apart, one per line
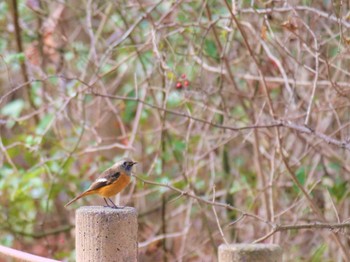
110 182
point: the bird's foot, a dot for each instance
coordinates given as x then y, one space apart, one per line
118 207
115 207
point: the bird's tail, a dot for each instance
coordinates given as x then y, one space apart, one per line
86 193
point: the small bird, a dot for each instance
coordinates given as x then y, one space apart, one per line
110 182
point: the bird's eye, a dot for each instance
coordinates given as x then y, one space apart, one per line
125 163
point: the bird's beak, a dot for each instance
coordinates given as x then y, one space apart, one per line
134 163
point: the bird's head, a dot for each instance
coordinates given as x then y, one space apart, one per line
126 164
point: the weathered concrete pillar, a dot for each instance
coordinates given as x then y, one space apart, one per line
106 234
250 253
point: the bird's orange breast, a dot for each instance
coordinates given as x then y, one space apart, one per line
115 187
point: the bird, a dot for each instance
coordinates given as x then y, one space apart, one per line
110 182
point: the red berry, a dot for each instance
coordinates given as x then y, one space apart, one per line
186 83
183 76
178 85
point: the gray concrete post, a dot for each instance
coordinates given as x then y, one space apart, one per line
250 253
106 234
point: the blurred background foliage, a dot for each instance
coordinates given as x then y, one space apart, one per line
194 98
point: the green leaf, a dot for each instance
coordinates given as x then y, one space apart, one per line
239 161
15 58
210 49
3 42
35 93
144 116
174 99
54 167
318 254
200 184
223 35
68 56
179 145
3 9
236 187
44 123
5 171
37 190
13 109
7 240
30 175
53 80
335 166
181 184
32 140
129 112
182 17
339 189
158 167
170 75
163 180
301 176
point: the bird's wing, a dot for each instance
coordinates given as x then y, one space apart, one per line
106 178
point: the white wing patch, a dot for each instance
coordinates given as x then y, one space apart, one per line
101 180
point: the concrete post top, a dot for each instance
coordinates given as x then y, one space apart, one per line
107 210
250 252
106 234
250 247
